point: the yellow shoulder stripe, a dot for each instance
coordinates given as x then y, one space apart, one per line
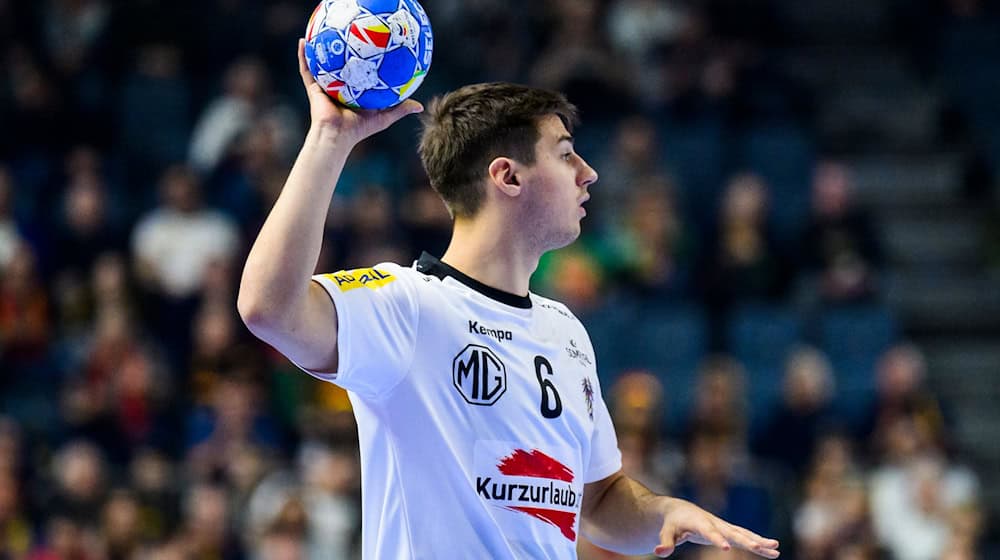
371 278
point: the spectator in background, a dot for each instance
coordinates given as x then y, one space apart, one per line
25 328
636 405
578 61
247 102
15 526
574 277
834 509
217 351
371 231
152 478
235 418
652 251
66 539
80 479
902 396
331 483
118 399
719 405
426 222
790 434
173 247
921 503
156 80
743 262
633 158
206 531
75 40
637 28
10 230
174 244
37 115
121 525
839 245
715 478
85 230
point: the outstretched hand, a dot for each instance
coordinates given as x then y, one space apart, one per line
686 522
354 125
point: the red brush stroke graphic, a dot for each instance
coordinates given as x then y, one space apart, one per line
534 463
564 520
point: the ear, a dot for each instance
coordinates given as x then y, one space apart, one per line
503 175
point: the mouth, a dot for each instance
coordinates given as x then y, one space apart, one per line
583 211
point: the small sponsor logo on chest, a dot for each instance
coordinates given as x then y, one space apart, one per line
573 352
499 335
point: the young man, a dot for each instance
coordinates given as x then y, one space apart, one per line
482 427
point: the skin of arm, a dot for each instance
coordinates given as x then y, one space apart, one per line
622 515
277 299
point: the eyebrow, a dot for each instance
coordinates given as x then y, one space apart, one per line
566 138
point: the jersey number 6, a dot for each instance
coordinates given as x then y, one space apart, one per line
551 406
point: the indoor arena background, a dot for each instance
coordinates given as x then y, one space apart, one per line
790 268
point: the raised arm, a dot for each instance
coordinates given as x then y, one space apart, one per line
622 515
277 300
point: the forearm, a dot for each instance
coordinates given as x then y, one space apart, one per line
284 255
626 518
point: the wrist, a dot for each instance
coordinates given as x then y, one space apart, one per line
667 504
330 135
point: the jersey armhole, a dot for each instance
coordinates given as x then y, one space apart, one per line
328 376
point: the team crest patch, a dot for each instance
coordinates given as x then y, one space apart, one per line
588 393
371 278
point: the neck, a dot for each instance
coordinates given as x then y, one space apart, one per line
487 250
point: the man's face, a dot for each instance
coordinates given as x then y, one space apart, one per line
555 187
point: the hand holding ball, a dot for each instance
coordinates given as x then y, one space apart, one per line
369 54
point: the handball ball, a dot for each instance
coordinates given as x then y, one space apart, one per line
369 54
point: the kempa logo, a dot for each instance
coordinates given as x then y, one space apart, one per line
499 334
479 375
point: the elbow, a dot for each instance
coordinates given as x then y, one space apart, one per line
253 311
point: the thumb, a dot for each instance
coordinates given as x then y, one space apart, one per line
667 543
386 118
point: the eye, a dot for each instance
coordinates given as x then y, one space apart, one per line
567 156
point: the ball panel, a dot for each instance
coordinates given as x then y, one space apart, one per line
329 50
408 88
398 67
316 20
379 99
340 13
379 6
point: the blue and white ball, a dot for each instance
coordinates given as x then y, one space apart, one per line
369 54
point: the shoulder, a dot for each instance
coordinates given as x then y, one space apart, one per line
553 308
373 277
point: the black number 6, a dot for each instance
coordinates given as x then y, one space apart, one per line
548 408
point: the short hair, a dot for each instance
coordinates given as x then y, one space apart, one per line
464 130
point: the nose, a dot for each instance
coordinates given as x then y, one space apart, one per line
588 176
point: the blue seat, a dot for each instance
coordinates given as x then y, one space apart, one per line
761 337
695 151
783 155
854 337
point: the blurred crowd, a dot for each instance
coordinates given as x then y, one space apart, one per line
142 144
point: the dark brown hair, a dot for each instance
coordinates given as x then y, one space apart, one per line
466 129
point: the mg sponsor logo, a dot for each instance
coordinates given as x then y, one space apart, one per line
479 375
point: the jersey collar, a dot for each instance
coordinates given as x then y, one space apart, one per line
429 264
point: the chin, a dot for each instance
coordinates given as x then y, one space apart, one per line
565 238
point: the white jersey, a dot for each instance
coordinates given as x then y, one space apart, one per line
479 414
